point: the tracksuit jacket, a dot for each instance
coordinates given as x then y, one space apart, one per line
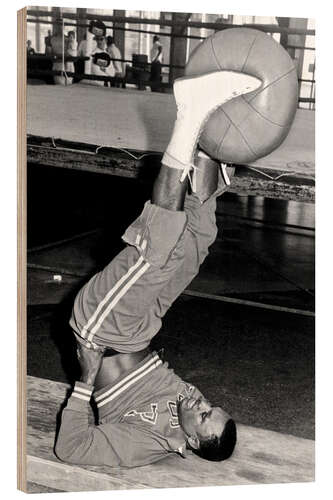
138 420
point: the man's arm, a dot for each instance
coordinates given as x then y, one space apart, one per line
78 442
112 444
81 443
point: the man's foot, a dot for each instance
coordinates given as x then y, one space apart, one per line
196 99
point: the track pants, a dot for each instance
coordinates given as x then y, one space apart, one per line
122 306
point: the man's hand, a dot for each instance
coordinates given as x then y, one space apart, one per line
90 362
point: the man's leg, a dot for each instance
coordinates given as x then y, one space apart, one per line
113 309
200 233
117 307
197 98
122 307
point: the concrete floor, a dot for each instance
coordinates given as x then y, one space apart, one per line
258 364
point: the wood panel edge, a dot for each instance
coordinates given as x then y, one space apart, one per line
21 249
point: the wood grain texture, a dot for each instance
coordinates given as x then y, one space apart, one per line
261 456
141 121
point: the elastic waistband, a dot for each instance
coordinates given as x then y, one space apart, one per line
112 391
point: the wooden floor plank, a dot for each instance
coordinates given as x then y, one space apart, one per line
261 456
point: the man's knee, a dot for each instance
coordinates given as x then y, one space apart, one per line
156 233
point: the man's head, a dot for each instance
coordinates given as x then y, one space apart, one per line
156 38
29 44
100 41
210 431
109 40
71 35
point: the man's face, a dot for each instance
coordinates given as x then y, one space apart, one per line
199 419
100 42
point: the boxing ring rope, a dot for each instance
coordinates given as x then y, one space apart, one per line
43 73
173 35
184 24
271 30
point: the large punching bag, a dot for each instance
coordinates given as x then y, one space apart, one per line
251 125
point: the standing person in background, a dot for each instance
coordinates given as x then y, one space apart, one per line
71 44
115 55
57 48
30 49
101 62
48 44
82 50
61 47
70 50
156 60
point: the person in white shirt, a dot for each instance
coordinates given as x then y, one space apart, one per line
101 61
156 53
57 49
62 47
115 55
82 50
70 50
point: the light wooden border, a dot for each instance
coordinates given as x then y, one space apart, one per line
21 250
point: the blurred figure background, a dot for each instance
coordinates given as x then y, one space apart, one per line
115 54
156 60
30 49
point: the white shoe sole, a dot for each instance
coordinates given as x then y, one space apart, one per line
214 88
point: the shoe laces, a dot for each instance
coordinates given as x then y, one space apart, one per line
190 171
224 173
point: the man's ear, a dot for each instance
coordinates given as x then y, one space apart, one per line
194 442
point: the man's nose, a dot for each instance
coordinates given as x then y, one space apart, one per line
204 404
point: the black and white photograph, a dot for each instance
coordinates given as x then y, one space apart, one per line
166 283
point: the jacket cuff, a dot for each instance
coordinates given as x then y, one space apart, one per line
81 395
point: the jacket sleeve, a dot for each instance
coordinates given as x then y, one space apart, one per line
110 444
